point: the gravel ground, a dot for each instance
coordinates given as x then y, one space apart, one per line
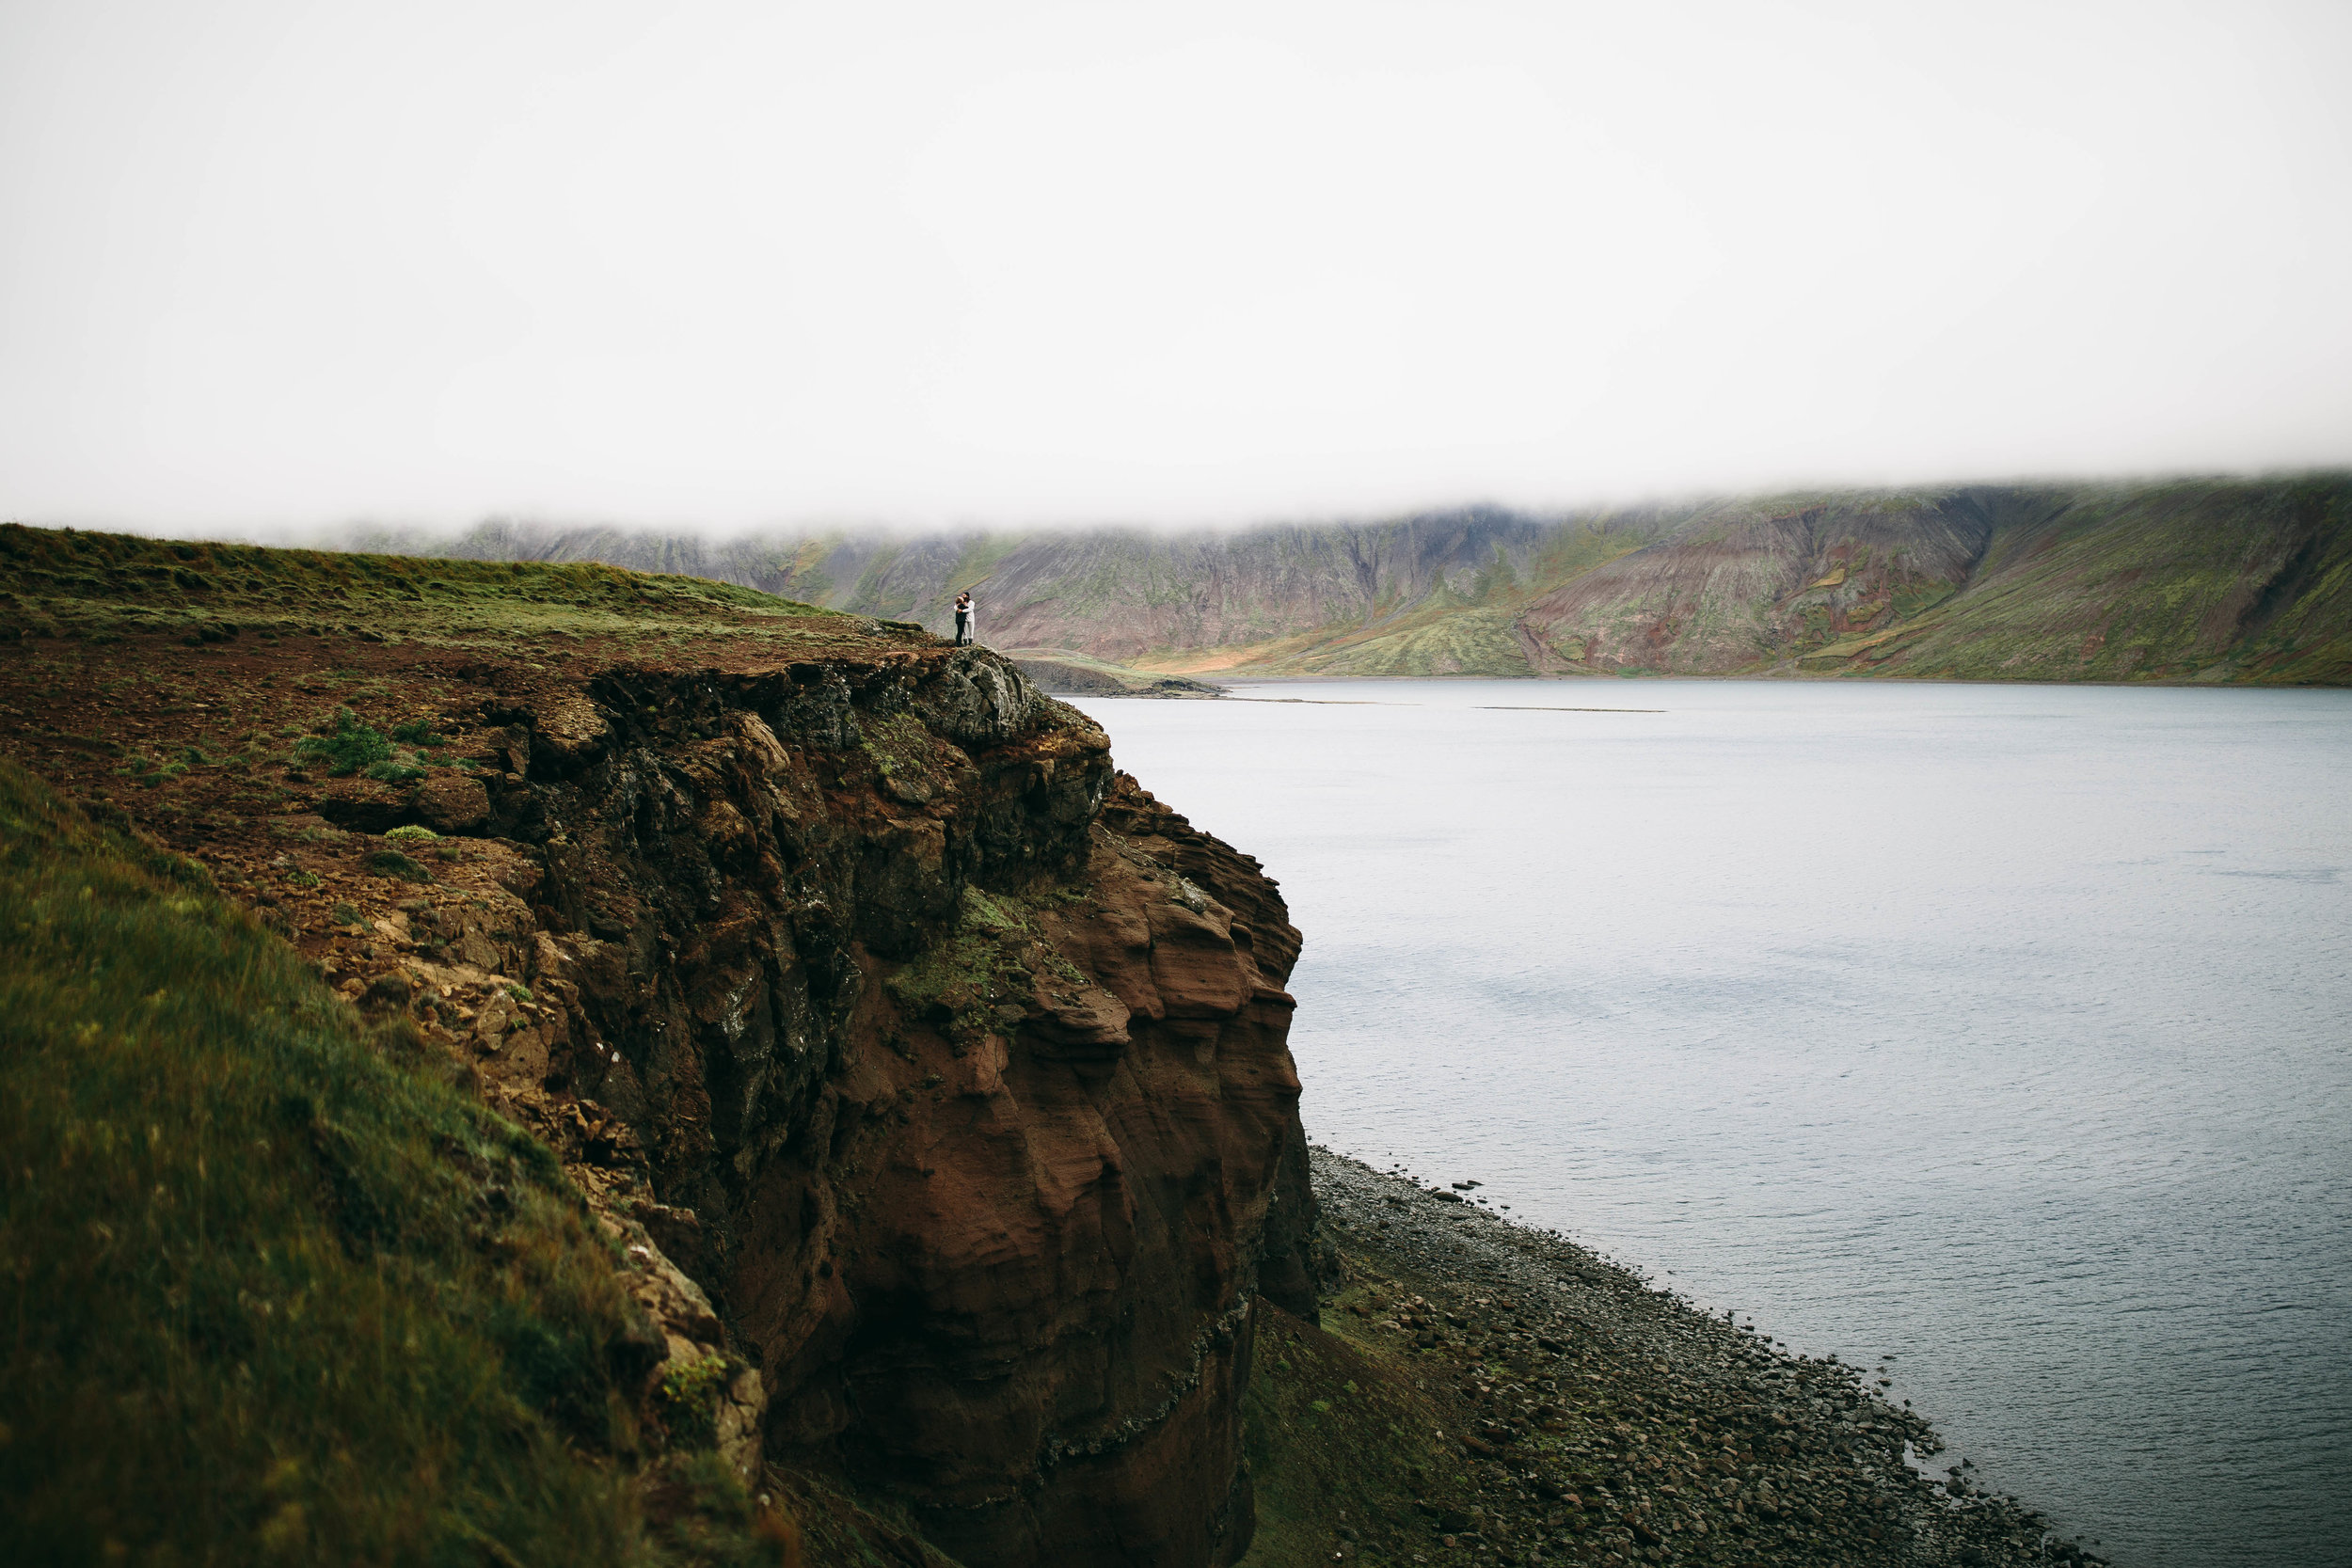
1601 1420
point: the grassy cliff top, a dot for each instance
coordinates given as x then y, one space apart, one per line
98 588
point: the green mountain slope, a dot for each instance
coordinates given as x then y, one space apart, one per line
2248 582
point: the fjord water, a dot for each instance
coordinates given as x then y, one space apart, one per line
2004 1030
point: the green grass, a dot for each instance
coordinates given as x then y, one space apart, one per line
898 745
98 588
272 1292
979 965
957 980
349 747
399 768
1425 642
392 862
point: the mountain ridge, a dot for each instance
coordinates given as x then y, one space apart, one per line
2205 579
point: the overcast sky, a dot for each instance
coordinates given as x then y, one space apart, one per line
269 263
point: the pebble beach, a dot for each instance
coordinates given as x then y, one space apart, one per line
1597 1418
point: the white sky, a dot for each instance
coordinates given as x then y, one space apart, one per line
271 264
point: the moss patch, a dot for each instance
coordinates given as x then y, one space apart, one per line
960 980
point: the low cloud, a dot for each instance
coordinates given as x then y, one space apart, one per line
737 266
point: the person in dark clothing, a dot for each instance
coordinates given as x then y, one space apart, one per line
964 618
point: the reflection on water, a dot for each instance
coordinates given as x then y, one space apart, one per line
2003 1029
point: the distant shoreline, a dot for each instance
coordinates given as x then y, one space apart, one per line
1792 678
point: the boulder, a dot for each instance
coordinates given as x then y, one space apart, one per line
453 804
569 731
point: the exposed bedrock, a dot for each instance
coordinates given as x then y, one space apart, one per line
959 1066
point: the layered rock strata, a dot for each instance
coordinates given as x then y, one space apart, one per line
960 1068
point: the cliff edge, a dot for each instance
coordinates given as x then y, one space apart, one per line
928 1077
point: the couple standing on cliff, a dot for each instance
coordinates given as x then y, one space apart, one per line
964 613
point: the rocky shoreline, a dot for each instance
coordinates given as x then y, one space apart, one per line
1580 1415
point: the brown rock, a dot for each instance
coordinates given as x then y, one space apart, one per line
476 949
1141 1112
452 803
1194 965
995 1245
568 730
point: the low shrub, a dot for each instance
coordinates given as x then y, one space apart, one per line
402 769
411 830
349 747
392 862
690 1400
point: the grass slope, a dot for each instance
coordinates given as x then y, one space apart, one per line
2192 582
102 586
271 1294
1437 641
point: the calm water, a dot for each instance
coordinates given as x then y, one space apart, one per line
2001 1029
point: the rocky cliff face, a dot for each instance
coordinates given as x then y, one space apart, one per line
968 1059
922 1066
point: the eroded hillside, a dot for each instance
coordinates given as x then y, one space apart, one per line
926 1079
